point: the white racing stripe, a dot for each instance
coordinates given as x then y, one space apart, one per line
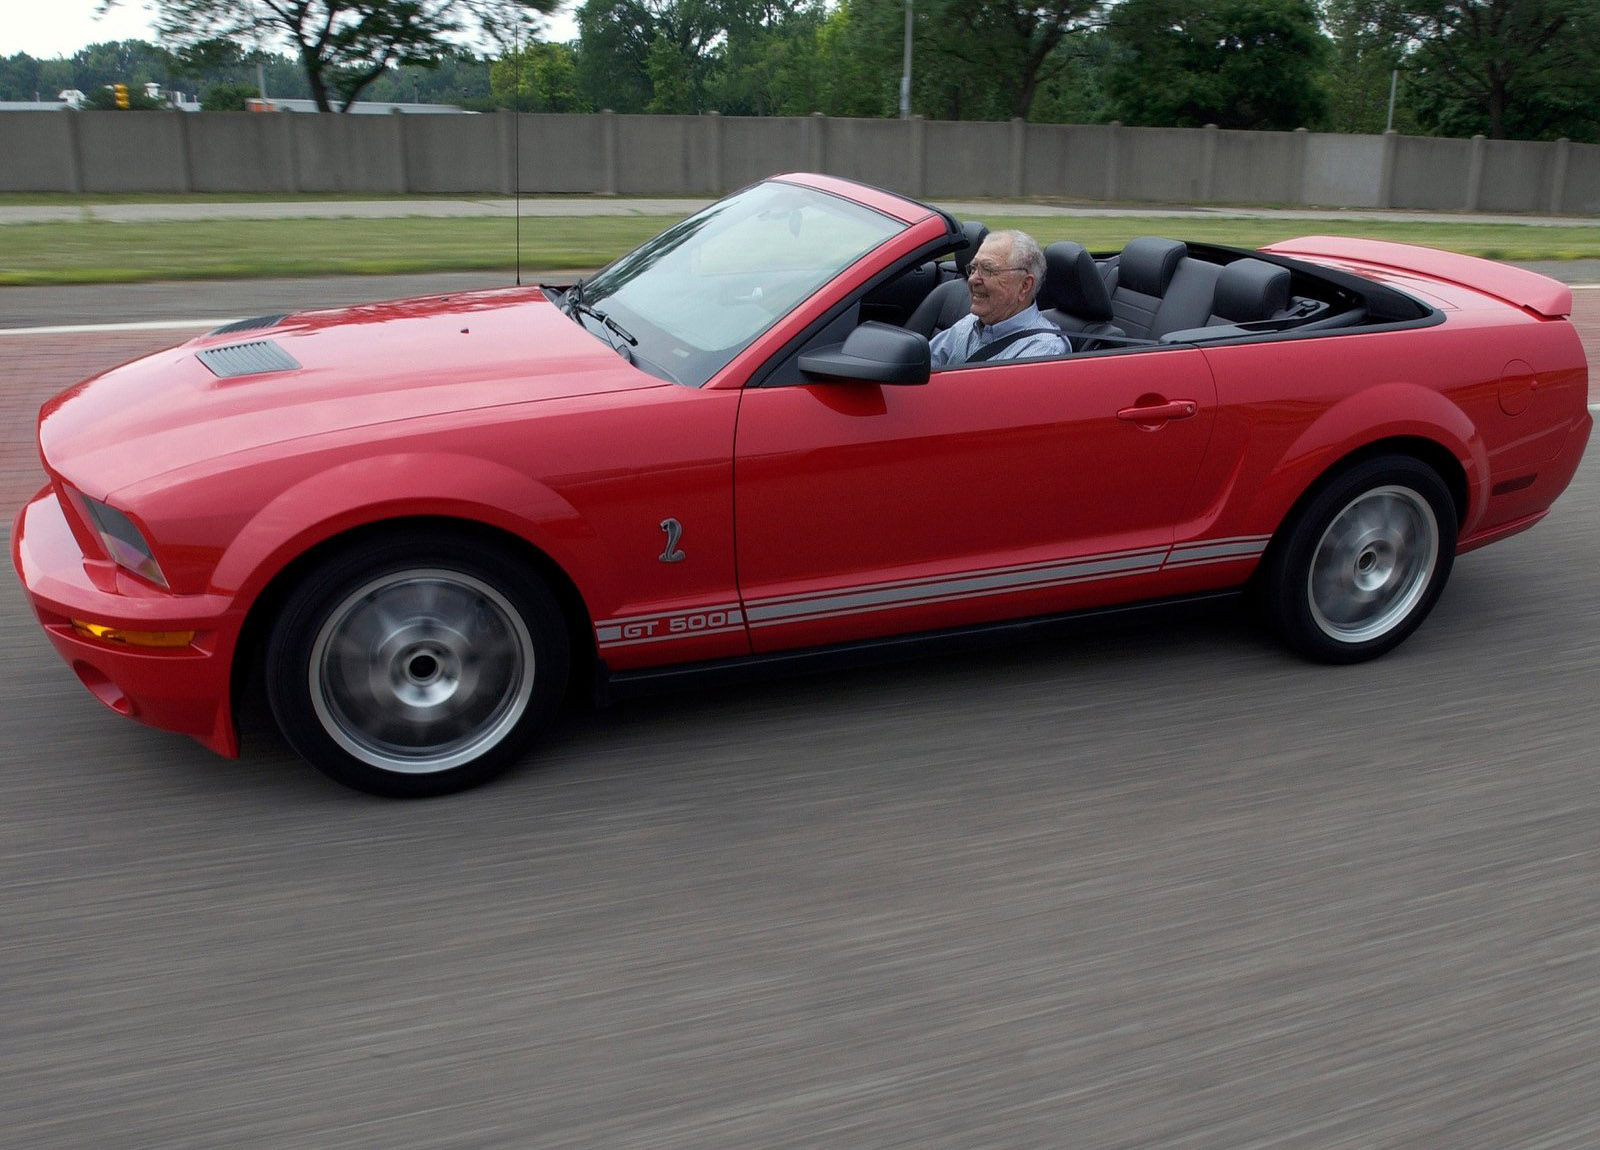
110 328
862 599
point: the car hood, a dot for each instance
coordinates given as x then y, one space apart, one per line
276 379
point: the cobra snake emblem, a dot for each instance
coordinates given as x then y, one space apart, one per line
674 530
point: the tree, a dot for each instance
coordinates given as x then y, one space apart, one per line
772 66
544 80
1522 68
626 46
343 45
226 97
1253 64
1371 42
24 78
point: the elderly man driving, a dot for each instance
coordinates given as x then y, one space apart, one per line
1003 279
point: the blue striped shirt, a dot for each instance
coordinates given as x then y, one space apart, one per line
962 339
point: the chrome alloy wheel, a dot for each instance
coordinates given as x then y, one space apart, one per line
420 671
1373 564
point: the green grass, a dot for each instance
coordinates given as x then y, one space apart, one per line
1493 241
102 252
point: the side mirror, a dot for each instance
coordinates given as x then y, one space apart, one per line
875 352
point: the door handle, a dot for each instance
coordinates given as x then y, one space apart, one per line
1155 414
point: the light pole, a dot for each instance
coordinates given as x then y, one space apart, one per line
905 70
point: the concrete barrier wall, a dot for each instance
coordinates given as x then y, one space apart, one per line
706 155
659 151
451 154
963 159
38 152
341 154
146 154
752 148
559 154
1432 175
1506 169
1579 190
1346 171
1071 161
864 150
1165 164
1257 166
239 152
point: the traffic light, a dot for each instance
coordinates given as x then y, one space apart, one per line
120 92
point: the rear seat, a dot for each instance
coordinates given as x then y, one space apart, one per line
1248 291
1158 289
1143 274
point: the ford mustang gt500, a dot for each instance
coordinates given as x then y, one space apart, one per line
421 523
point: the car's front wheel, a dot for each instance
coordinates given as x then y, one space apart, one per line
1363 561
416 667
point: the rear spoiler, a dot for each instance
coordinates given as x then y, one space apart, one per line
1516 286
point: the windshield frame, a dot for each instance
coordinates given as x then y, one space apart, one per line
726 275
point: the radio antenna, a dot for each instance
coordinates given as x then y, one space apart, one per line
516 136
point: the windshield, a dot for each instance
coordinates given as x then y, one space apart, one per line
701 291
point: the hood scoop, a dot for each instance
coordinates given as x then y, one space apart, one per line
255 358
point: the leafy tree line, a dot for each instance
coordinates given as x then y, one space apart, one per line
222 75
1505 68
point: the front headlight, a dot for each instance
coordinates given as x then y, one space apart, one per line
122 540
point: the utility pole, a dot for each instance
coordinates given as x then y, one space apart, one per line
905 70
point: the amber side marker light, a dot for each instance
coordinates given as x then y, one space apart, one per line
133 638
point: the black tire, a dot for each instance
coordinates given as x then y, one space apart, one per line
1363 561
416 666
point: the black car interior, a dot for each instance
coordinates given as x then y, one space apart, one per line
1154 292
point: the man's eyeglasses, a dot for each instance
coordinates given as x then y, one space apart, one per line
986 269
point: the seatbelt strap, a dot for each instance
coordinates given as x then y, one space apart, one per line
990 350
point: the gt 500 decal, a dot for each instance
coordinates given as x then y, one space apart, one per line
657 628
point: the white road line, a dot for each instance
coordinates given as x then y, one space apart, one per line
100 328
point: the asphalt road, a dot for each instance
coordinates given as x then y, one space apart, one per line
1167 887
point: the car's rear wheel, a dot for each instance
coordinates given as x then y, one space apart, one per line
416 667
1363 561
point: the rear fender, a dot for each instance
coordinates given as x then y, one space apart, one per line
1391 411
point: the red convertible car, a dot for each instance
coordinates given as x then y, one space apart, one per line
422 524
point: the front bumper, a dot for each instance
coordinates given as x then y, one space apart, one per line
183 689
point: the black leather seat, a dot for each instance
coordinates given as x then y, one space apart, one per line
1249 290
1074 297
950 300
1144 273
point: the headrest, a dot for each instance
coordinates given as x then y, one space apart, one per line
1250 290
1147 264
976 233
1072 282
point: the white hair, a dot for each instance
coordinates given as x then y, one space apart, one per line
1025 254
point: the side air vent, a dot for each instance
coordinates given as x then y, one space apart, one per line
248 324
246 359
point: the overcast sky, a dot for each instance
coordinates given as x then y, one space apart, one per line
47 29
